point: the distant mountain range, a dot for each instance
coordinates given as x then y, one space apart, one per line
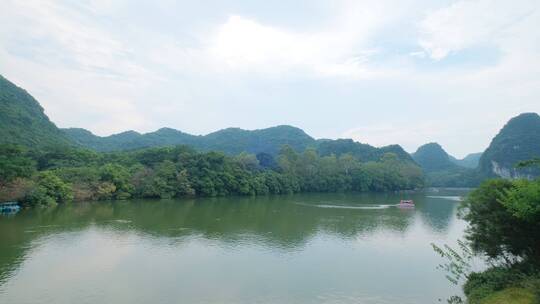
23 121
231 140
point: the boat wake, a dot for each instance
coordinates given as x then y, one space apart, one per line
363 207
451 198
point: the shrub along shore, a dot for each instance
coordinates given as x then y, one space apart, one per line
504 227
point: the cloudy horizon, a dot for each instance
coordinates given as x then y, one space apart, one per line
379 72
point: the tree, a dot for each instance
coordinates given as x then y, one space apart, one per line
247 161
14 163
503 220
49 190
118 176
267 161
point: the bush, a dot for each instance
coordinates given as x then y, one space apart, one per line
49 190
481 285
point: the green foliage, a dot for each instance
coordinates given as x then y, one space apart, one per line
458 263
482 286
513 295
49 190
180 171
523 200
502 217
116 180
14 163
504 226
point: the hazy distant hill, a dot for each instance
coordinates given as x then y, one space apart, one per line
441 169
22 120
518 140
469 161
364 152
231 140
129 140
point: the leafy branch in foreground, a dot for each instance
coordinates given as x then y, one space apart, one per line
457 265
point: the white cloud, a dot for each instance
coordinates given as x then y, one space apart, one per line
244 44
469 23
107 66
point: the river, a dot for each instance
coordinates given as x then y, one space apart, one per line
304 248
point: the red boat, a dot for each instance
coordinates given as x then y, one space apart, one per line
406 204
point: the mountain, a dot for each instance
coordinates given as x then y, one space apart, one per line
432 157
442 170
234 141
470 161
364 152
231 140
269 140
518 140
23 121
129 140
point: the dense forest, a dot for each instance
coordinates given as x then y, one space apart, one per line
45 177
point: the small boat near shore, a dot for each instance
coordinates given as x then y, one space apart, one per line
406 204
9 207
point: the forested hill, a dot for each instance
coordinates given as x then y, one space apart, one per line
432 157
363 152
231 140
129 140
23 121
234 141
517 141
442 170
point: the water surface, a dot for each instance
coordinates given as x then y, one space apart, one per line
309 248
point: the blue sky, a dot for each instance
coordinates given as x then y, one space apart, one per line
380 72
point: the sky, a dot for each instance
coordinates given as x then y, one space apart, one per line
381 72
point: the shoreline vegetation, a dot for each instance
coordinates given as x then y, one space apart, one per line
65 174
503 219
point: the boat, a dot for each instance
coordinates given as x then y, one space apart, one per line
406 204
9 207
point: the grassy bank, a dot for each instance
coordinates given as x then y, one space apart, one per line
516 285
